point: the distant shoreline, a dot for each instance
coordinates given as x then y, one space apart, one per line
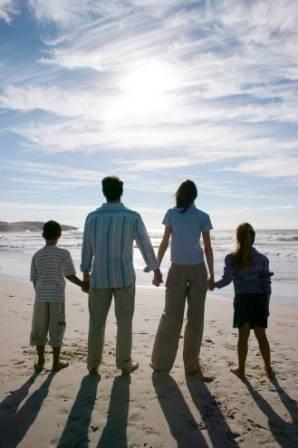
24 226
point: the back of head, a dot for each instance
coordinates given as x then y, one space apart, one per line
112 188
185 195
51 230
245 239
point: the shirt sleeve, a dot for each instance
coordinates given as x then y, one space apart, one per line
167 221
33 270
206 224
87 251
68 266
266 276
227 274
144 244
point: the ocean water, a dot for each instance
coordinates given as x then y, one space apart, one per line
281 247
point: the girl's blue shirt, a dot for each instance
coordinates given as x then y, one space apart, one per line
255 279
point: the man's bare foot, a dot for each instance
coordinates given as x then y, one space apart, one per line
269 372
238 373
59 366
133 366
38 366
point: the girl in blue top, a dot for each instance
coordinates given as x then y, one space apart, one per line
248 269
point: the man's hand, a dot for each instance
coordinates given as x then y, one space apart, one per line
210 284
157 279
86 282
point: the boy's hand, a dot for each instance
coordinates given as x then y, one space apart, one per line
85 286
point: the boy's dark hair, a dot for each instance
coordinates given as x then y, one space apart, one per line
112 188
51 230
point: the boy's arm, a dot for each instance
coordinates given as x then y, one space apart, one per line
74 279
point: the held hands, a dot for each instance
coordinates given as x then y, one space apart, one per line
210 284
157 279
85 286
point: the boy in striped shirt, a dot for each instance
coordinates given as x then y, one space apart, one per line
48 268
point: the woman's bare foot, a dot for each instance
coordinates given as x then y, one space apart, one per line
239 373
59 366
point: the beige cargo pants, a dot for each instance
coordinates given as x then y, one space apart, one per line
99 304
184 282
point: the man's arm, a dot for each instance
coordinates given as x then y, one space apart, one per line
209 258
144 244
87 252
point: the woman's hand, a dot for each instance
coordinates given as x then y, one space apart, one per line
157 279
210 284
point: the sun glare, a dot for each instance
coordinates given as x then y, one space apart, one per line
147 93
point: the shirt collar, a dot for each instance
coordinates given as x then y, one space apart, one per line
112 205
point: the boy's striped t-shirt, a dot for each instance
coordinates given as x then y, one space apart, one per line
49 266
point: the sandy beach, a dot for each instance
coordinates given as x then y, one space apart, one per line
73 409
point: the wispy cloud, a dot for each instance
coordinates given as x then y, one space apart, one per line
157 91
8 9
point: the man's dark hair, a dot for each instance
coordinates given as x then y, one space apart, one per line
51 230
112 188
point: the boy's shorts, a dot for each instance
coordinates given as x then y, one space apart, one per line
48 317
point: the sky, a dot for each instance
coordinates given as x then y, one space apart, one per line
155 92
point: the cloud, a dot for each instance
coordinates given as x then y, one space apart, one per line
286 166
8 9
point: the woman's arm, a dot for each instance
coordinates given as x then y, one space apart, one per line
209 257
164 244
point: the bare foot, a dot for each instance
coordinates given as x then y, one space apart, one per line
133 366
238 373
59 366
270 373
38 366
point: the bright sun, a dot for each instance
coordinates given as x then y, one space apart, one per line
147 93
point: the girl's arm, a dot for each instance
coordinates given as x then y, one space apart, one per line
164 244
227 274
209 257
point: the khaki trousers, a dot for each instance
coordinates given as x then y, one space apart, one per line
184 282
48 317
99 304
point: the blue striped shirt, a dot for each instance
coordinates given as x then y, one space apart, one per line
107 249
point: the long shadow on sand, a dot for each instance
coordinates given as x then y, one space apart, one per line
218 429
115 430
75 433
285 433
16 422
182 423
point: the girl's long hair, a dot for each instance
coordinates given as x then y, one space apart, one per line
185 195
245 238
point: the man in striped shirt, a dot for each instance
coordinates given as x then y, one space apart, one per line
107 252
